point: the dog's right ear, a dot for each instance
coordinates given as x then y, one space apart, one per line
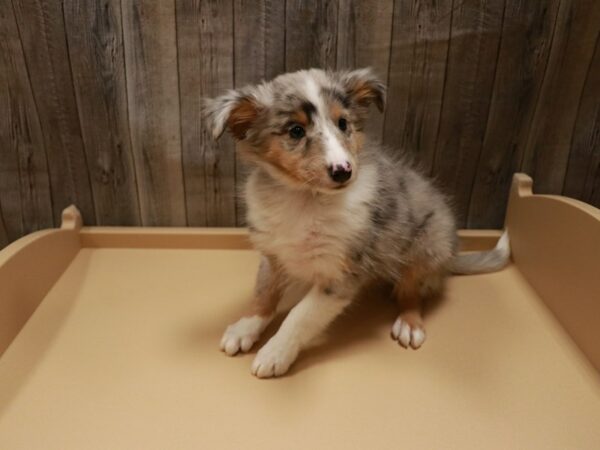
234 110
362 88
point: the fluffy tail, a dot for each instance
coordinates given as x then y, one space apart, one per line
482 262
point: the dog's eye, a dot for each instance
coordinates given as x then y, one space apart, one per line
342 124
297 132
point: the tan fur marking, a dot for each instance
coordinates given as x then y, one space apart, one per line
283 160
335 111
300 118
297 166
357 140
241 118
363 93
268 289
407 295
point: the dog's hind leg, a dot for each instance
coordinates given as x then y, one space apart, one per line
408 330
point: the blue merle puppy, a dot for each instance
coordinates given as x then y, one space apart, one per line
330 211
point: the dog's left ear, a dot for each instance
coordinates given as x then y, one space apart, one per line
362 87
234 110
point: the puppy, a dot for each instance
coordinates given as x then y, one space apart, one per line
330 211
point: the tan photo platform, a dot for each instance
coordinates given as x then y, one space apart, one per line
110 340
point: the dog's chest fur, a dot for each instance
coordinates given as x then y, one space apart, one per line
310 234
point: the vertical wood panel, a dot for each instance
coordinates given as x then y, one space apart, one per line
421 32
205 46
25 199
152 89
475 36
94 35
310 34
363 40
4 241
259 51
549 141
42 33
583 173
101 100
259 40
594 177
524 48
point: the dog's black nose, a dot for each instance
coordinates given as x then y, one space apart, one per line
340 173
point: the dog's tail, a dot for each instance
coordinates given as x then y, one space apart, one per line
482 262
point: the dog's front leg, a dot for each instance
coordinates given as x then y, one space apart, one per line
241 335
305 322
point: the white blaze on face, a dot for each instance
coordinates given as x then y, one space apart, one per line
335 154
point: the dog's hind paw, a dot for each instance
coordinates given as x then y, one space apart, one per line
408 333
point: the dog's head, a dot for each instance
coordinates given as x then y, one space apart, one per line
304 127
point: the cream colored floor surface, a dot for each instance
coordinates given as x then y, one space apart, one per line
123 354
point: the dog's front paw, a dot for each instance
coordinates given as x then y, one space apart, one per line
274 359
408 332
242 335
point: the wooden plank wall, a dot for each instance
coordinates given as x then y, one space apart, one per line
100 99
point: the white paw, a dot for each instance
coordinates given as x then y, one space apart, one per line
242 335
408 335
274 359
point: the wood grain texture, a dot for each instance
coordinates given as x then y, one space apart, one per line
582 180
205 47
100 101
311 28
524 48
149 38
42 34
472 56
363 40
421 34
259 40
259 54
4 240
94 35
25 198
549 142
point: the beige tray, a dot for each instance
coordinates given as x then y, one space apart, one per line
110 341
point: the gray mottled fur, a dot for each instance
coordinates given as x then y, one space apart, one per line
387 221
410 220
